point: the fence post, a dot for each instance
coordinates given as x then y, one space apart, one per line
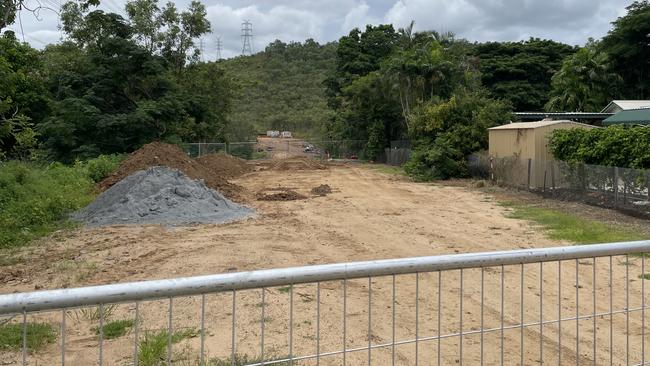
530 163
553 174
615 184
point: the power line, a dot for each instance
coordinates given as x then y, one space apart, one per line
247 38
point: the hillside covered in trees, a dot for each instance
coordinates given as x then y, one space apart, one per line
281 88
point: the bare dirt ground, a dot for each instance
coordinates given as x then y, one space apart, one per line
369 215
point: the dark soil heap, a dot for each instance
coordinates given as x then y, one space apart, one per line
225 165
171 156
282 194
321 190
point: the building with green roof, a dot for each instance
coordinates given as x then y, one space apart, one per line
629 117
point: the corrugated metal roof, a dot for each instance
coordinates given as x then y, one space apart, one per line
633 116
627 104
538 124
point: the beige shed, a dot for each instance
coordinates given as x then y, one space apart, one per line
527 140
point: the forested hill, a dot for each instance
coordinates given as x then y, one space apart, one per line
281 88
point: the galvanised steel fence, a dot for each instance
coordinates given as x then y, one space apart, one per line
559 306
612 187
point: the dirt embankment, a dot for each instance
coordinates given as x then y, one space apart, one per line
171 156
225 165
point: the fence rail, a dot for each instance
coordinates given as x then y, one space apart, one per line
563 305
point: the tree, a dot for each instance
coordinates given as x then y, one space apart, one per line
448 131
180 30
584 83
628 47
520 72
113 95
23 101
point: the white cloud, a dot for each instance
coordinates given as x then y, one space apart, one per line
570 21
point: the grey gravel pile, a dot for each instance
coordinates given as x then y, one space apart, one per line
160 195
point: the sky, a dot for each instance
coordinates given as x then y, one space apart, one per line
569 21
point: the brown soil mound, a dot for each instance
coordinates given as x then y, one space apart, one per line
297 164
284 194
157 153
225 165
322 190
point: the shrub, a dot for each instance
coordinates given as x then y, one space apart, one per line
611 146
102 166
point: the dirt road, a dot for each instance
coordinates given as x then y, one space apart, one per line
369 215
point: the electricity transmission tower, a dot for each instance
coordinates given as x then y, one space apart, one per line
219 47
201 48
247 38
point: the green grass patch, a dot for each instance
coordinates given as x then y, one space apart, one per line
563 226
38 335
116 328
153 348
388 169
645 276
284 290
35 199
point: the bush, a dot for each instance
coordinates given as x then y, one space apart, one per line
439 160
101 166
449 132
35 200
612 146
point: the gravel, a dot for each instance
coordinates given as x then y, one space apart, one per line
160 195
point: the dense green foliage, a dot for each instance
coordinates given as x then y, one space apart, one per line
612 146
614 68
584 83
22 97
35 200
628 47
280 89
421 86
106 90
520 72
452 130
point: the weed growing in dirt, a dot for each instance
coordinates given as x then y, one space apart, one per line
93 314
562 226
241 360
284 290
115 329
153 349
38 335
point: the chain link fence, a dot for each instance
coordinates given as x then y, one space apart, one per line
398 153
611 187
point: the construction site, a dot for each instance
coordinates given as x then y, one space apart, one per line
162 215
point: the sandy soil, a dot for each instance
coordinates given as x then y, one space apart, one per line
369 215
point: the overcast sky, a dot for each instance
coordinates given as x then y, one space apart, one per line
569 21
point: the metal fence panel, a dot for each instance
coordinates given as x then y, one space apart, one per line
565 305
